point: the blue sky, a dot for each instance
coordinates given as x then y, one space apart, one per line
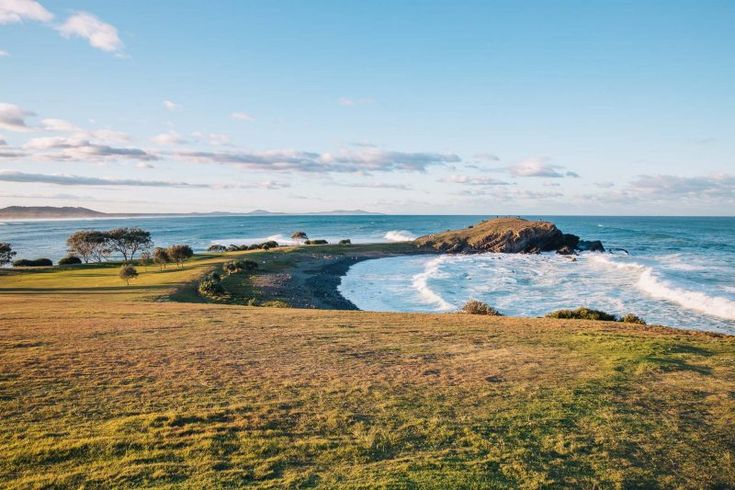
395 106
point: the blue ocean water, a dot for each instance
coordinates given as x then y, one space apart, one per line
677 271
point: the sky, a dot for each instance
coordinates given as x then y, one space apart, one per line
410 107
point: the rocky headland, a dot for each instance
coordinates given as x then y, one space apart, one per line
508 235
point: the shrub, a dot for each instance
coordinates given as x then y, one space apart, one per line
234 248
346 241
240 266
127 272
70 260
299 236
216 248
254 246
269 244
275 303
583 314
211 285
316 242
633 318
476 307
179 253
33 263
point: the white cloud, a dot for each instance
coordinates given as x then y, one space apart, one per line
487 157
99 34
242 116
476 181
3 53
538 167
361 160
12 11
168 139
213 139
58 125
13 117
171 106
144 165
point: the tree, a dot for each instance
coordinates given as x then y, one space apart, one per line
299 236
161 257
88 244
145 259
179 253
128 241
6 253
128 272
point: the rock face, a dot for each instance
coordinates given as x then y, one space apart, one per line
506 235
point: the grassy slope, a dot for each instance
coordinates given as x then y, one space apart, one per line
111 389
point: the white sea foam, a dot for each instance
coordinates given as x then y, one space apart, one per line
658 288
281 239
399 236
421 284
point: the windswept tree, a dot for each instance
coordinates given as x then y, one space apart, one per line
128 272
299 236
88 245
161 257
179 253
6 253
128 241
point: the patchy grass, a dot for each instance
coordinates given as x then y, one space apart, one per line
102 387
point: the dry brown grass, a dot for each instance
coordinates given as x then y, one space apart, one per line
126 393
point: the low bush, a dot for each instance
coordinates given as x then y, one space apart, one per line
236 248
270 244
346 241
216 248
633 318
254 246
316 242
70 260
583 314
240 266
275 303
476 307
33 263
211 285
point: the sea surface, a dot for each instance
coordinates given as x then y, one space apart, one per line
673 271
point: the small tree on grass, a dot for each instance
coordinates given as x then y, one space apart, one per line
6 253
128 272
299 236
179 253
161 257
88 244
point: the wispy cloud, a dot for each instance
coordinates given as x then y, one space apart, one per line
99 34
373 185
13 117
171 106
3 53
351 102
169 138
538 167
474 181
59 179
80 149
13 11
242 116
348 160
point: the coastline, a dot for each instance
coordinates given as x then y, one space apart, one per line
309 276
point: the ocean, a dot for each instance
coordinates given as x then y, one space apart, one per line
675 271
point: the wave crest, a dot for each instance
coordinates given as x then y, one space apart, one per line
421 284
399 236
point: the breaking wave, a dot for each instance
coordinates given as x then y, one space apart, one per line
399 236
420 283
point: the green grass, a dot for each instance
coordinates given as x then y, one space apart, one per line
101 386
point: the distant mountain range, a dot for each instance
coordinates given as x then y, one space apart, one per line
51 212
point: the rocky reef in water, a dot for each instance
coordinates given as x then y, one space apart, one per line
508 235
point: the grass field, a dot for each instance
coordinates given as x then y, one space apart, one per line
103 385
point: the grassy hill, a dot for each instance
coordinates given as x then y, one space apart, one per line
103 385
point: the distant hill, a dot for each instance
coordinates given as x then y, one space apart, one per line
51 212
47 212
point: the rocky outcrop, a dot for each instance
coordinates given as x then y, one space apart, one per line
506 235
